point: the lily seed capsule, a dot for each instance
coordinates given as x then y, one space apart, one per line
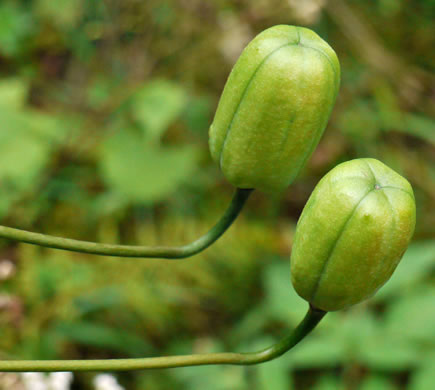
274 108
352 234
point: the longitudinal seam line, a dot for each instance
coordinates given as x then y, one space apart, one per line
372 171
397 188
391 232
291 120
381 186
330 63
325 264
287 133
244 93
315 140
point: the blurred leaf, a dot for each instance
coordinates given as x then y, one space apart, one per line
22 157
367 343
65 14
26 141
387 353
13 93
419 126
274 375
49 276
16 24
157 105
318 351
424 377
281 299
99 91
42 346
415 266
48 273
163 14
413 317
250 325
78 42
376 382
197 115
19 144
48 346
103 336
143 173
211 377
328 382
103 298
360 122
360 337
356 327
393 118
50 128
199 377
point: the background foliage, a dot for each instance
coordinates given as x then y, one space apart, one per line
105 108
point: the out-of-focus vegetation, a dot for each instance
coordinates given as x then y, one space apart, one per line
104 115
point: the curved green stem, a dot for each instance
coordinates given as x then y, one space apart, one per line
312 318
239 199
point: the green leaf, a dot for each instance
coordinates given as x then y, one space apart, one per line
143 173
250 325
356 328
199 377
419 126
197 115
413 317
378 348
415 266
367 342
99 91
18 144
65 14
424 377
358 336
328 382
26 141
22 157
16 25
376 382
13 93
274 375
211 377
386 353
392 118
102 336
103 298
318 351
157 105
360 122
44 345
281 299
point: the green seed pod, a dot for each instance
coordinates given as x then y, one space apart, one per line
352 233
274 108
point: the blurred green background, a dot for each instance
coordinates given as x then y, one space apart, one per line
105 108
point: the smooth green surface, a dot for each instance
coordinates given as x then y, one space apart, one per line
352 234
311 319
239 199
274 108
